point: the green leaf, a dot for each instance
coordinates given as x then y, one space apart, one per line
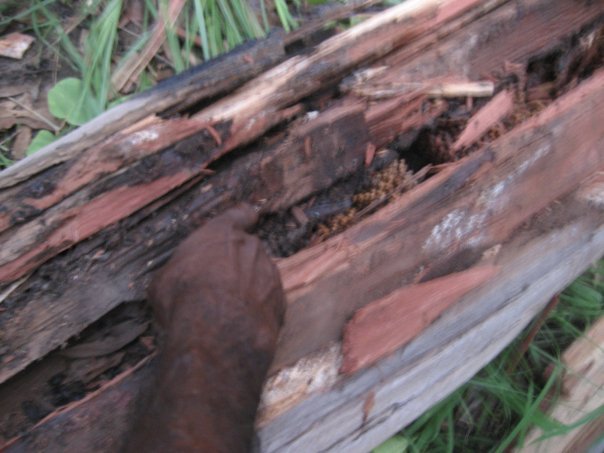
396 444
68 100
41 139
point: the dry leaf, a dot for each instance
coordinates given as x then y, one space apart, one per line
14 45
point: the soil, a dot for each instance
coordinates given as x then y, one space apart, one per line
65 376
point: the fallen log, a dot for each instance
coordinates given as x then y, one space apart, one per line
65 220
336 414
228 123
493 210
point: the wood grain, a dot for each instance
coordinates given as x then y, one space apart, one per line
387 324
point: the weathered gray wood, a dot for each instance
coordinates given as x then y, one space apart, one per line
337 416
446 354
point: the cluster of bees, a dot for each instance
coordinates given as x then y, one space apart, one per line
394 178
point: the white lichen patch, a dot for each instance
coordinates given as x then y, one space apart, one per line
309 375
457 226
494 196
593 194
143 136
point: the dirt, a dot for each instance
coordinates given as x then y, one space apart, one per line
59 379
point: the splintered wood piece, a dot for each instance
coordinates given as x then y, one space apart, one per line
582 393
14 45
392 117
461 89
385 325
488 116
432 89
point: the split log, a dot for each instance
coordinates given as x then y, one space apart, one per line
337 141
523 164
228 123
462 219
360 411
50 212
495 199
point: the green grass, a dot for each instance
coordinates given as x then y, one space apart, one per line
95 49
497 408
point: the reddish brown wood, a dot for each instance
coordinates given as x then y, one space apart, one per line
383 326
493 112
390 118
113 405
239 119
118 270
428 233
453 217
126 147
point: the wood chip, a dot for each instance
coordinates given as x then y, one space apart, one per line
14 45
387 324
489 115
22 141
119 336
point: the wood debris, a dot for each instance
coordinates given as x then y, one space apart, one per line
14 45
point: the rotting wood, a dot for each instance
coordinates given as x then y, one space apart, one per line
533 266
91 288
298 77
387 324
489 115
360 421
505 184
338 139
238 119
444 356
582 393
388 119
524 29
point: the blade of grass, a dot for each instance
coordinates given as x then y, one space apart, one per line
264 15
172 41
28 12
203 32
231 26
73 56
